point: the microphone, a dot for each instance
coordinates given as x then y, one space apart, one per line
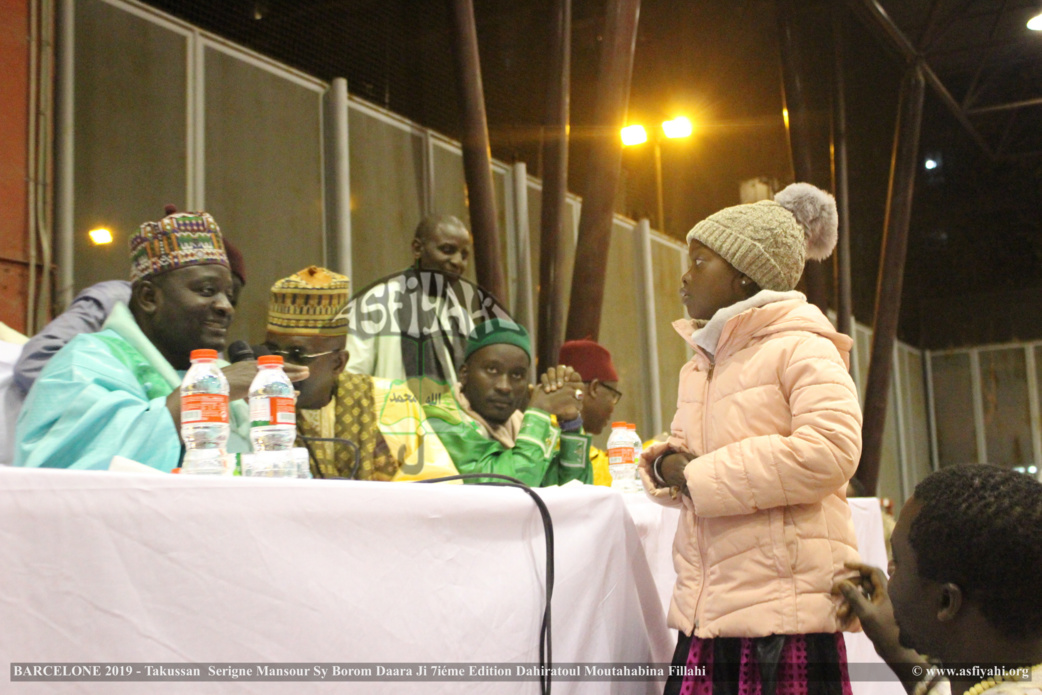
239 351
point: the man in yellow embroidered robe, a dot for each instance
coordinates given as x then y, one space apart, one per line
377 427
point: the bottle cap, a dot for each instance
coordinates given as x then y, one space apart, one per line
630 426
620 425
269 359
203 355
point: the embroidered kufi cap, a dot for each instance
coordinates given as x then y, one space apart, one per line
312 301
179 240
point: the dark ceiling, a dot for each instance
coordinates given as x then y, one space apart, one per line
974 269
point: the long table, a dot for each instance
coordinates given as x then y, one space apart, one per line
102 567
111 567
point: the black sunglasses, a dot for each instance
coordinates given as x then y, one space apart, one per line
296 355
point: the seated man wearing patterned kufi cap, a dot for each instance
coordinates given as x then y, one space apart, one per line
88 312
379 426
117 392
482 424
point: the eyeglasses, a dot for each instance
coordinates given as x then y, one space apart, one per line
616 395
296 355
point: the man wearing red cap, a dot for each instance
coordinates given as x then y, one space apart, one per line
600 394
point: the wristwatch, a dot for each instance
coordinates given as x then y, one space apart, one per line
572 425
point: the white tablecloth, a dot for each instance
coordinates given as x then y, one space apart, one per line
657 525
10 399
110 567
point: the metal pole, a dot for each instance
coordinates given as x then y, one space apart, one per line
658 185
891 272
524 298
646 292
598 209
64 199
552 254
340 185
477 158
844 320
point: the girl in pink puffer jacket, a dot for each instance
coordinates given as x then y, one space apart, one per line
766 435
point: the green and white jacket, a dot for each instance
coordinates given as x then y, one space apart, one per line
529 446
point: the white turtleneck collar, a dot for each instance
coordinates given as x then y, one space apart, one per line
708 336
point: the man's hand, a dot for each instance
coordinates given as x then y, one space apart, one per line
865 596
558 377
559 392
295 372
240 376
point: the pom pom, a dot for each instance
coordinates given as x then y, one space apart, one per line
815 210
169 210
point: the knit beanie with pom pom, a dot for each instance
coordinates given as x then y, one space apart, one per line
769 241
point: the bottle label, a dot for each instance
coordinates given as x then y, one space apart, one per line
272 410
204 408
620 454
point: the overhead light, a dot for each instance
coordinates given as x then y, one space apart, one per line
634 135
1035 23
100 236
930 164
679 127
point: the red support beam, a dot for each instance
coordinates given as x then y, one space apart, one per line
477 156
844 303
803 82
595 223
14 165
891 272
552 257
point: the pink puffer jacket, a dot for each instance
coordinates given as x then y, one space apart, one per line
775 424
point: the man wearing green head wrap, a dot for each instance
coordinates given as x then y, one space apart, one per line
483 426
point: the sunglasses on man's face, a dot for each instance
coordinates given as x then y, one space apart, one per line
296 355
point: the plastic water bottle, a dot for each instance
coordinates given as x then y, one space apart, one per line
273 419
302 460
621 461
204 415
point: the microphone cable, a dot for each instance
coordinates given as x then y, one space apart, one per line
545 651
335 440
545 646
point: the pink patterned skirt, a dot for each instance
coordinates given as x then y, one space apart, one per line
811 664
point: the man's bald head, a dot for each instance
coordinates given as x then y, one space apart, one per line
442 243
